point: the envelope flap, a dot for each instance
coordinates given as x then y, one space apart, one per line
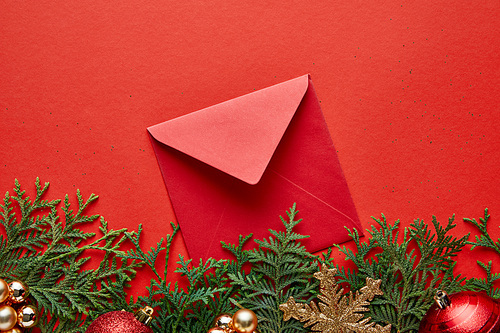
238 136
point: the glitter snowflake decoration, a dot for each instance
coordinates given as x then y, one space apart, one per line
336 313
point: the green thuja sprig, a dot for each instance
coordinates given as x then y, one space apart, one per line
49 256
46 254
281 268
178 309
409 277
485 240
57 325
220 278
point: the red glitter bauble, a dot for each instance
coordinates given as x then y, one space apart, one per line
118 322
467 312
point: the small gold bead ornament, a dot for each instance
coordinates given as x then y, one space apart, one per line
243 321
217 330
15 313
4 291
223 321
27 316
18 292
8 318
14 330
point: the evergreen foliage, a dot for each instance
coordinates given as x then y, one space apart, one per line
485 240
281 268
409 280
48 256
206 283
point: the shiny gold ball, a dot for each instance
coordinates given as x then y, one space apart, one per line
216 330
4 290
223 321
14 330
8 318
244 321
18 292
27 316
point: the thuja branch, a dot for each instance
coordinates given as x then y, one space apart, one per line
409 279
92 246
49 257
485 241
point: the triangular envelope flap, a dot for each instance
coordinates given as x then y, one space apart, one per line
238 136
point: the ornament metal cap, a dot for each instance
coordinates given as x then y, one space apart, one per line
442 299
144 315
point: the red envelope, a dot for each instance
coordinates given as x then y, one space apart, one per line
234 167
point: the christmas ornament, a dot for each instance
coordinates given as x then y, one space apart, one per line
18 292
243 321
217 330
27 316
8 318
4 291
123 322
285 246
223 321
336 312
466 311
14 330
14 311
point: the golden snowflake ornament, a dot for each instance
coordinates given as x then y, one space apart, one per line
336 313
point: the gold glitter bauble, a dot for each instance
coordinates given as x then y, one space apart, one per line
244 321
4 290
8 318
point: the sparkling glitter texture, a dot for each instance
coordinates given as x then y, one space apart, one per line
337 313
468 312
118 322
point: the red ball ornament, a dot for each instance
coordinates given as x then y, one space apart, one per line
462 312
123 322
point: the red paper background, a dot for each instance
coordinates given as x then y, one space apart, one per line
409 90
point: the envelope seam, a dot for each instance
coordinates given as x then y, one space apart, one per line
303 189
216 229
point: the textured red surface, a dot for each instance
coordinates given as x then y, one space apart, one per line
118 322
409 90
469 312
